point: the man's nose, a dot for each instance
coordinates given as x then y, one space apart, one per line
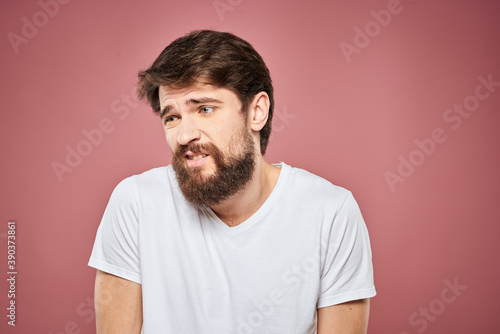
188 131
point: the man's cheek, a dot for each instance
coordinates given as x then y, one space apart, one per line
172 147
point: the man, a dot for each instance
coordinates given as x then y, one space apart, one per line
221 241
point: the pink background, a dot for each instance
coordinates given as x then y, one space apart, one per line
348 119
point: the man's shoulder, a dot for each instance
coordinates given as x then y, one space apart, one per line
304 189
157 177
157 173
309 192
309 182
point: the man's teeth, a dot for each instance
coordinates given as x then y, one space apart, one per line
196 157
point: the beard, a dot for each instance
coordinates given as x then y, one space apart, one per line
231 175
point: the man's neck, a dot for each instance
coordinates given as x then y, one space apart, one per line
246 202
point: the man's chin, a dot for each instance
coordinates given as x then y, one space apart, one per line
217 177
202 173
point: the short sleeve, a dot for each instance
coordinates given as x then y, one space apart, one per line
347 271
116 247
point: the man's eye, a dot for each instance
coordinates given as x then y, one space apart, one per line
170 119
206 110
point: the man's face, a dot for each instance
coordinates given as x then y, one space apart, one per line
213 150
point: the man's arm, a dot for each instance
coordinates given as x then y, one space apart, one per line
118 305
346 318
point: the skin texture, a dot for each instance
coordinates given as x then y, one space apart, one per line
345 318
204 113
118 305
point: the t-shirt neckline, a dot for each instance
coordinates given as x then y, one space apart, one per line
285 169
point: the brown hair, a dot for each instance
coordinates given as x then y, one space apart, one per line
224 59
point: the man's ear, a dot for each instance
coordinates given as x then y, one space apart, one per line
258 111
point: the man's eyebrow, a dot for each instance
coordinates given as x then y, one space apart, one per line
202 100
165 110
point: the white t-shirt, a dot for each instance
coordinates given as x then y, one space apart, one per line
307 247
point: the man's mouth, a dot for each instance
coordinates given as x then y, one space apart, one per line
196 157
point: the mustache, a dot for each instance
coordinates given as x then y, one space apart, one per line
195 148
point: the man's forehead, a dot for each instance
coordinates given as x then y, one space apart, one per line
200 90
169 92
